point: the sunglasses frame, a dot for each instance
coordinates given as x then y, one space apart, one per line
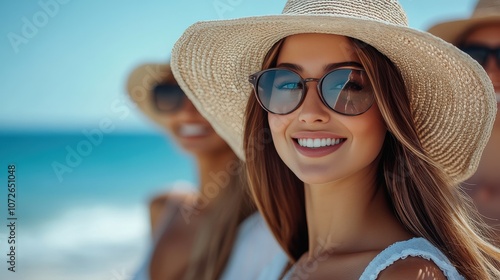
495 52
254 80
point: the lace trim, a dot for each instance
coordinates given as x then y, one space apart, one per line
397 251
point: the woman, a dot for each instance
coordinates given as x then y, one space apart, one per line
355 139
479 37
202 234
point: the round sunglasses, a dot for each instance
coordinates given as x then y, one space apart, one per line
481 53
345 91
168 98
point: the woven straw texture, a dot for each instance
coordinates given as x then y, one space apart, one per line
486 11
451 97
140 86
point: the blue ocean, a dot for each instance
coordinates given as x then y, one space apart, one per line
81 201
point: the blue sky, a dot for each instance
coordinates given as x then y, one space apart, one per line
64 62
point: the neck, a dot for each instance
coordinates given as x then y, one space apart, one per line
215 171
350 215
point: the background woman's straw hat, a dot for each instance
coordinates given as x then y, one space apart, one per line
140 85
451 97
486 11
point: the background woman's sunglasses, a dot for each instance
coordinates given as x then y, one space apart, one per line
282 91
481 53
168 98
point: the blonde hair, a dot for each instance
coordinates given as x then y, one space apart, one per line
422 196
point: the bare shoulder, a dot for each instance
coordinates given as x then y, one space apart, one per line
163 204
413 268
160 201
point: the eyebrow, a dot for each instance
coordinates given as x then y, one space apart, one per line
328 67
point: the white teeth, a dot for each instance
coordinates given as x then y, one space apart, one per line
190 130
317 143
309 143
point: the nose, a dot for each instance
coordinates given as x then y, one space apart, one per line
312 110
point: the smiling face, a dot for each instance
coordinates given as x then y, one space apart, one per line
192 132
319 145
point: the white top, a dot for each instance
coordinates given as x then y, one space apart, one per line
253 251
275 268
415 247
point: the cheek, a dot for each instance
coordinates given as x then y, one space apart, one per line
496 124
278 123
217 141
376 134
168 123
371 135
377 126
376 142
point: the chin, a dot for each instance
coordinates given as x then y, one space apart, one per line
315 177
193 148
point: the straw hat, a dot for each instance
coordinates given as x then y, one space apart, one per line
486 11
140 86
451 97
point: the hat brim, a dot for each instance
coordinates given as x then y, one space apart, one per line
448 108
140 85
452 31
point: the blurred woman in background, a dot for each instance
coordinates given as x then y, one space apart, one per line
211 233
479 36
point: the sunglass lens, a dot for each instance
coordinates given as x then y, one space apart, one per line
480 54
347 91
279 90
497 56
168 98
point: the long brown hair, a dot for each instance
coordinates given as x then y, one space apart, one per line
422 196
217 234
